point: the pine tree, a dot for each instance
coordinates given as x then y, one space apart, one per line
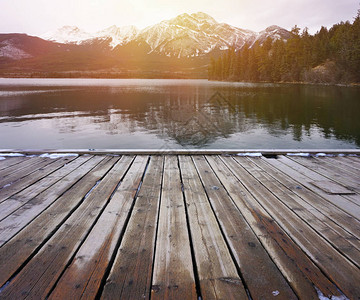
278 60
290 60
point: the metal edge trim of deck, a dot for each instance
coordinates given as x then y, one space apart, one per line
182 151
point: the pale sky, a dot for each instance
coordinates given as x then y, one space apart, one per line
36 17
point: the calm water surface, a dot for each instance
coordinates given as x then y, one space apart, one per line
152 114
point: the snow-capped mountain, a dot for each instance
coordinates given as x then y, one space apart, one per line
119 35
67 35
274 32
192 35
183 36
177 48
75 35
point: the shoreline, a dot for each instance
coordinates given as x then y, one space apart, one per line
352 84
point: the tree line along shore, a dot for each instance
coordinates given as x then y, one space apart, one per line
329 56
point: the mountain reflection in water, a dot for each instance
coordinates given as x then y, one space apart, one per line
177 114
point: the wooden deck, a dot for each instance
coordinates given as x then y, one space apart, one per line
179 227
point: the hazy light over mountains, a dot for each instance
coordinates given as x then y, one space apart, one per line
39 16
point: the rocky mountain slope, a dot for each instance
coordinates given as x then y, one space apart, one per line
184 36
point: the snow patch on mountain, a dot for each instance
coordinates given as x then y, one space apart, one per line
183 36
192 35
72 34
9 50
67 35
119 35
203 17
275 32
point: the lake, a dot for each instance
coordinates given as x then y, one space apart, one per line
175 114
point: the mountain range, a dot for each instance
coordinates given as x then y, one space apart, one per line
182 44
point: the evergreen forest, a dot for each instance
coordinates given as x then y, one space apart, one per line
329 56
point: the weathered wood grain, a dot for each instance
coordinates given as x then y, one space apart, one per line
22 163
25 214
11 161
306 176
20 185
335 266
217 272
260 273
345 178
26 168
340 240
173 275
296 182
83 277
17 251
38 277
27 188
344 164
289 257
179 226
131 273
354 159
321 210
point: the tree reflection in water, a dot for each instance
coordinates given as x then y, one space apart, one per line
196 114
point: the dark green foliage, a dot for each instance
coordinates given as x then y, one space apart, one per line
328 56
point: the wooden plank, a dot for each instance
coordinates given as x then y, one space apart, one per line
275 241
23 164
260 273
26 168
353 159
50 180
323 211
40 274
130 275
333 173
353 198
345 164
338 165
302 274
20 192
306 176
84 275
217 272
20 162
173 274
345 178
331 262
28 180
25 214
339 239
331 187
18 250
328 204
11 161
